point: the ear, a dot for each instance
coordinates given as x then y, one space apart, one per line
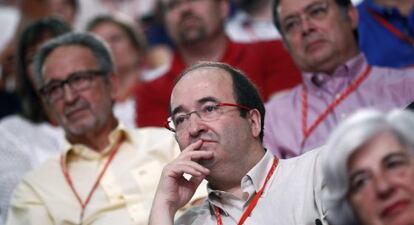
255 122
353 16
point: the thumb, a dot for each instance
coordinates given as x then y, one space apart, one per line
195 181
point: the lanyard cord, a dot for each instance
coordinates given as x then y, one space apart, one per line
254 201
387 25
95 186
307 132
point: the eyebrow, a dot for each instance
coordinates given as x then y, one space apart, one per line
399 153
201 101
357 173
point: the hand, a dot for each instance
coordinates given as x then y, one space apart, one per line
174 191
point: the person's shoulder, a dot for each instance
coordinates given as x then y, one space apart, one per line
150 132
45 172
384 73
283 100
304 161
17 127
362 6
153 139
13 121
165 73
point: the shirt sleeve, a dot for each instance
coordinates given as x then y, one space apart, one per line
282 72
27 208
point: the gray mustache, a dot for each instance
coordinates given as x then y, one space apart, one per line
77 106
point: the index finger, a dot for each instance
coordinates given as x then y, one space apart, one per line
193 146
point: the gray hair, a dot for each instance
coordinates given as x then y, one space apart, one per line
98 47
344 141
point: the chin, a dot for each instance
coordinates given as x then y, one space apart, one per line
406 219
81 129
207 163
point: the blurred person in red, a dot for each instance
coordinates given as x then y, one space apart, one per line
197 29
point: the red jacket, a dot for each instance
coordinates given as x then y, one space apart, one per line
266 63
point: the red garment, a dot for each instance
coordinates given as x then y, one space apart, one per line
266 63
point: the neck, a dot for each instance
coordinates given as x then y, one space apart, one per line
404 6
230 180
96 140
211 49
262 11
329 66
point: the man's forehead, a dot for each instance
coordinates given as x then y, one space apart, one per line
293 6
201 83
68 58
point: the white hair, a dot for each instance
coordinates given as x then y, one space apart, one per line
349 136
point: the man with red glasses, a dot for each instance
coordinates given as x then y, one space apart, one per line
217 116
321 36
107 173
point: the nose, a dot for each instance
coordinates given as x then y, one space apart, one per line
69 94
307 25
195 125
384 186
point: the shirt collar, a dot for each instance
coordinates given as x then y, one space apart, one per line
85 152
259 172
344 73
250 183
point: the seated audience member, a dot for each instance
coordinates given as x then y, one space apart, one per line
29 11
337 79
107 174
128 50
197 28
386 32
252 22
368 165
217 116
28 138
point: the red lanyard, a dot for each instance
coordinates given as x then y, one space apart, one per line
387 25
95 186
254 200
307 132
